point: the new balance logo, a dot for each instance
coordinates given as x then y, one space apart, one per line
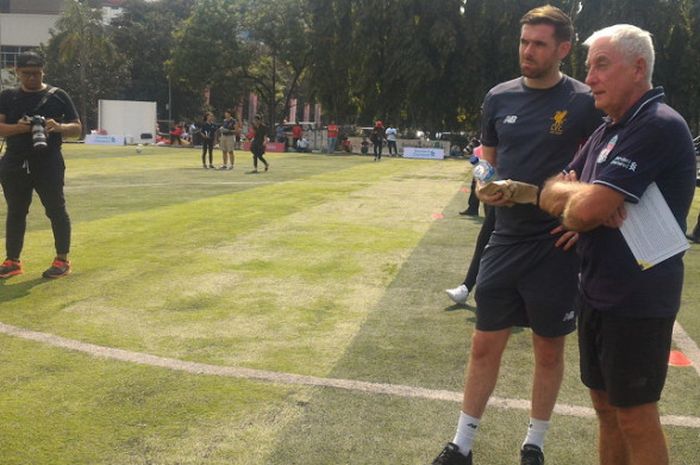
510 119
569 316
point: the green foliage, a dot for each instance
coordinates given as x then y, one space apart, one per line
414 63
153 23
81 58
208 52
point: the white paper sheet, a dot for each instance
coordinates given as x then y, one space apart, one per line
651 230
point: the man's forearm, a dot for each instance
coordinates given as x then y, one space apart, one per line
69 129
555 195
7 130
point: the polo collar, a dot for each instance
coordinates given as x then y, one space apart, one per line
649 97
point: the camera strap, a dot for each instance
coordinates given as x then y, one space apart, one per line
44 99
41 103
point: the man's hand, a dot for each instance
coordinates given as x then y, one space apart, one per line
52 125
495 199
567 240
617 218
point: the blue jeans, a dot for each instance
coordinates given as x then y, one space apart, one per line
332 142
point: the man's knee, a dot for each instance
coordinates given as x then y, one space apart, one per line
602 407
488 345
638 420
549 352
57 213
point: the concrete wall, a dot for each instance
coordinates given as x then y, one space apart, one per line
36 6
26 30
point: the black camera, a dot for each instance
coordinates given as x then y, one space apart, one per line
38 129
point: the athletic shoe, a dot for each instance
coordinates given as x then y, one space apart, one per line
267 167
212 167
469 212
10 268
459 294
230 167
204 166
530 454
450 455
58 269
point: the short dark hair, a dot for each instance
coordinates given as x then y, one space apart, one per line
29 59
548 14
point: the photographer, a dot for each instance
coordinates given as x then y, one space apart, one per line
33 119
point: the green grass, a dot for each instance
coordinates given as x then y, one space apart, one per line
330 266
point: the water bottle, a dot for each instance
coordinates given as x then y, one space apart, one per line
483 171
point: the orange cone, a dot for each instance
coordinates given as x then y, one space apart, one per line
678 359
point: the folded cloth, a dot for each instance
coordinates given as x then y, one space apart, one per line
515 191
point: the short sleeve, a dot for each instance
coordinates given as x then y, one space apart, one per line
489 136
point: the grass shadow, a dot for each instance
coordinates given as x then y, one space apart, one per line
15 291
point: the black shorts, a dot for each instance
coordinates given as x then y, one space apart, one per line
625 357
531 284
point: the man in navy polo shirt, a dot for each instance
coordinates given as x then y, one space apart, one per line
626 315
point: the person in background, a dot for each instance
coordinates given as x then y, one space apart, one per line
391 141
364 145
303 145
332 136
208 133
257 145
626 313
34 162
176 134
227 141
297 134
377 137
460 294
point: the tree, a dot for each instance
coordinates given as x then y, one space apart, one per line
143 33
81 58
280 40
208 52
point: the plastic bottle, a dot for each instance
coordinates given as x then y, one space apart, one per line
483 171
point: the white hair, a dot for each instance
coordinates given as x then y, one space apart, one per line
631 41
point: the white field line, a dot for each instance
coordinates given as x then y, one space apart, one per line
287 378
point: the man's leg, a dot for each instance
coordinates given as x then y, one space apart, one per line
17 189
482 371
629 435
612 448
549 372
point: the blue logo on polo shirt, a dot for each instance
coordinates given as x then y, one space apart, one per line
603 155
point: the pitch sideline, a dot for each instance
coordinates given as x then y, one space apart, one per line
139 358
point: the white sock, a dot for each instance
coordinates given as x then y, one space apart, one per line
535 432
466 432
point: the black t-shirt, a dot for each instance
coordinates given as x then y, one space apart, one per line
651 143
536 133
15 103
259 137
209 130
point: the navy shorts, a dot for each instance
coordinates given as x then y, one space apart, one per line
531 284
625 357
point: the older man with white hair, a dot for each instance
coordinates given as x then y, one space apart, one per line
626 313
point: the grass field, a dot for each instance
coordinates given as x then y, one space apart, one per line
324 268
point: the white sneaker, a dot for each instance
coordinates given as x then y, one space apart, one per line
459 294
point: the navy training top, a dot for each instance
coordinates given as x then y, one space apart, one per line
650 143
536 133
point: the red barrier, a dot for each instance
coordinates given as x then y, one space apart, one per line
269 147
